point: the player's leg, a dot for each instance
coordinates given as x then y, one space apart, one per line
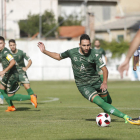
1 99
25 82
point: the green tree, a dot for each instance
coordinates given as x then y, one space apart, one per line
116 48
30 26
72 19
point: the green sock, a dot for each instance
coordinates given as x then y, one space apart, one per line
101 76
20 97
108 107
30 91
6 97
107 99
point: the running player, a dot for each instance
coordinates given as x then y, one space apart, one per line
84 61
9 80
19 57
100 51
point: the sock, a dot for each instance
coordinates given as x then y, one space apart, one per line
6 97
101 76
30 91
20 97
107 99
107 107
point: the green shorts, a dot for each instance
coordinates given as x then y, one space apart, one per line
10 81
89 91
23 78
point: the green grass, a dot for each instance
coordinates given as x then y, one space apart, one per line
72 117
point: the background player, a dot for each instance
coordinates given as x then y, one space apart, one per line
19 57
84 61
9 81
100 51
133 47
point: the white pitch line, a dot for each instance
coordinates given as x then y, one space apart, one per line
51 99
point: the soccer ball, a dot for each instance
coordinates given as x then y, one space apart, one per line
103 119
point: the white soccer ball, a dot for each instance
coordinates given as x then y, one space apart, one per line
103 120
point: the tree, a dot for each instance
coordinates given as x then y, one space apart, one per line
72 19
30 26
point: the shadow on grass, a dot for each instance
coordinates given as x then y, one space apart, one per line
25 109
27 103
112 120
91 139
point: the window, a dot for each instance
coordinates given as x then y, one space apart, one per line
120 38
106 13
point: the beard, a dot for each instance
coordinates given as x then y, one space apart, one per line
85 53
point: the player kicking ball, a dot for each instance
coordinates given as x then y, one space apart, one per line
19 57
9 83
84 61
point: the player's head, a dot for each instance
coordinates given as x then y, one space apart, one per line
97 43
84 44
2 43
12 45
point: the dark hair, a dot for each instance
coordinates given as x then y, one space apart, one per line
2 38
84 36
12 40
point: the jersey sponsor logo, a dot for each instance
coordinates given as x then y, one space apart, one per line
82 67
9 57
75 59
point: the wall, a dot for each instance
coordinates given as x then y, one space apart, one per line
46 68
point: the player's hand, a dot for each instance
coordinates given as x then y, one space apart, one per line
41 47
2 73
103 86
24 68
124 67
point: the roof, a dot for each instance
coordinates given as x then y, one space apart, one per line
131 22
71 31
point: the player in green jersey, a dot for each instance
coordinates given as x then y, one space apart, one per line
84 62
101 52
19 57
9 83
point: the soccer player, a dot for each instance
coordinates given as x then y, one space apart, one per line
84 61
9 83
100 51
133 47
19 57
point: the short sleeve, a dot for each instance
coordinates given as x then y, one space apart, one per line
26 56
104 52
64 54
136 53
99 61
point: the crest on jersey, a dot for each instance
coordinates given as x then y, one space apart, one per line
96 55
100 59
5 52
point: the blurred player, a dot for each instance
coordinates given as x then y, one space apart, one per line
84 62
9 80
100 51
133 47
19 57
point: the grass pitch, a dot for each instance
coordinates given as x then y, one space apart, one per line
64 114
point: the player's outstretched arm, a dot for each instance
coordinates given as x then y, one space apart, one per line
11 64
133 47
51 54
105 76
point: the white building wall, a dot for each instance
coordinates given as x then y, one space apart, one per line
46 68
21 9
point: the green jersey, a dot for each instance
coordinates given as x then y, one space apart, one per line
19 58
99 51
5 58
84 66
